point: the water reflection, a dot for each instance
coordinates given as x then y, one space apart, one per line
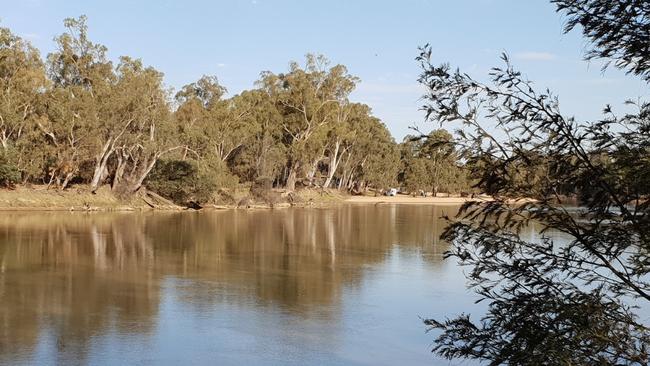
75 286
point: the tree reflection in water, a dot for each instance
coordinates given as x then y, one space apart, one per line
75 277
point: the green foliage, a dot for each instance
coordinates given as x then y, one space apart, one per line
9 173
382 157
261 190
617 31
216 171
22 81
307 99
183 181
81 118
430 164
570 303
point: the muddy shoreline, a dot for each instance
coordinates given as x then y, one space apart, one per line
81 199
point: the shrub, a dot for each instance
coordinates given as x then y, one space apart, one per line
180 181
9 173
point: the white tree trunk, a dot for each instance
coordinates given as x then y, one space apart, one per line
291 178
100 166
334 162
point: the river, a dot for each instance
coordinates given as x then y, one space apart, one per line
335 286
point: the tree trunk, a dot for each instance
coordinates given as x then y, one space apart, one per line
119 172
291 177
312 171
100 166
341 180
98 175
346 167
350 182
334 162
314 166
143 174
128 181
67 179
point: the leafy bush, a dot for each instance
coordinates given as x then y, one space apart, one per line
9 173
216 171
180 181
185 181
262 190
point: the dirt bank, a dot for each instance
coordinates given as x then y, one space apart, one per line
78 198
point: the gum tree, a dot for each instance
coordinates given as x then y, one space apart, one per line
307 98
23 86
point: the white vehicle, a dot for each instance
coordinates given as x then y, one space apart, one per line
391 192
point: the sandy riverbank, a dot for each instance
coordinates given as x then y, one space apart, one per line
411 200
79 198
403 199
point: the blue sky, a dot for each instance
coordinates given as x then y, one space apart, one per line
376 40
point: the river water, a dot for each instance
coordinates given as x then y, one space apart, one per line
336 286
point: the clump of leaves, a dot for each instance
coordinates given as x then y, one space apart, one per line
181 181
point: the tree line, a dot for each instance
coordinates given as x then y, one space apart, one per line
79 118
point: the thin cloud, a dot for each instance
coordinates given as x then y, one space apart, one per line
535 56
221 65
